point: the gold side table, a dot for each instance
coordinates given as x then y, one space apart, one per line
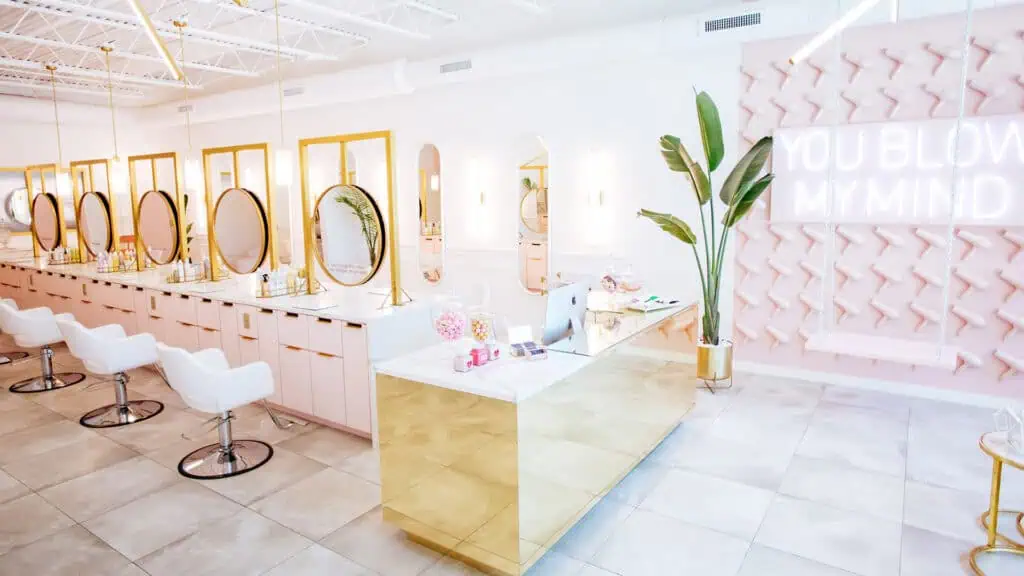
996 445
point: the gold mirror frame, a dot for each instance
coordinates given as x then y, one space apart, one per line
52 200
43 170
265 246
106 213
397 297
176 219
178 199
375 265
83 180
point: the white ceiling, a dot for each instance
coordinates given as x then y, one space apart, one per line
229 47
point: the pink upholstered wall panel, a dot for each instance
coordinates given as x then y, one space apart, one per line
902 72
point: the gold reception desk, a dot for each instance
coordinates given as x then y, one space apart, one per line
493 466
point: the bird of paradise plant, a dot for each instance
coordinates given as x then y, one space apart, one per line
739 192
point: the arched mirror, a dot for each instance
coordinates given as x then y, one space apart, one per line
94 223
431 234
240 227
348 234
45 221
158 226
533 215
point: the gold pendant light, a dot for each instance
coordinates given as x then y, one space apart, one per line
63 182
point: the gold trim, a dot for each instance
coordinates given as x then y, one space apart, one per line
392 228
174 215
55 204
84 245
178 199
375 266
55 169
109 197
267 210
263 220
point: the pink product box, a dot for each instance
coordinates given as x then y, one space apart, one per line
480 356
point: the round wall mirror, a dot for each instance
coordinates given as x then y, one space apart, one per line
17 210
94 223
158 226
240 230
533 210
431 234
348 234
45 226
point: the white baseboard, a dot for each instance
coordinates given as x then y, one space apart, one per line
835 379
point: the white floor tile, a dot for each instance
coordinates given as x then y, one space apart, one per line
926 553
952 513
724 505
858 543
841 486
764 561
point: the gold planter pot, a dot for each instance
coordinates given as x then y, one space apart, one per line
714 364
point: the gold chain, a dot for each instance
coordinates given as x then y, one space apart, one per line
56 115
184 82
110 95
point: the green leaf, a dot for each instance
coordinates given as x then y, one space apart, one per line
672 225
746 200
679 160
746 170
710 131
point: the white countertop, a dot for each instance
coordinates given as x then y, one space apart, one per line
357 305
517 379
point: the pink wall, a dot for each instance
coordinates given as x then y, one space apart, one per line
903 72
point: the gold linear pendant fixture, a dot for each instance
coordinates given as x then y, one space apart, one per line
154 37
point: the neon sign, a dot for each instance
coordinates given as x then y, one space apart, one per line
902 172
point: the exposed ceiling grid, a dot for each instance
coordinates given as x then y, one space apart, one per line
234 44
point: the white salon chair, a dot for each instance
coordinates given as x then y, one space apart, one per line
207 383
108 351
37 328
8 357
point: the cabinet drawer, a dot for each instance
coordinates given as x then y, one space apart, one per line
187 336
159 304
248 323
327 377
141 311
296 392
184 309
126 318
267 328
208 313
229 338
325 335
209 338
292 329
160 328
357 379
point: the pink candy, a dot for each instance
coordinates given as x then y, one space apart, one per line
450 325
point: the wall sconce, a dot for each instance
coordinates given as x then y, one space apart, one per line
435 182
483 198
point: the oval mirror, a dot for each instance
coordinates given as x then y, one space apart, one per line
158 226
45 226
431 237
240 230
533 215
94 223
348 234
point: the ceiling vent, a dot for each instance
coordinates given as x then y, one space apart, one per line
733 22
456 66
186 108
294 91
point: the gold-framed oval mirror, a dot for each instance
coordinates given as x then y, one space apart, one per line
241 231
93 216
158 226
45 221
348 234
431 253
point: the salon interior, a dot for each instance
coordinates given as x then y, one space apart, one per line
512 287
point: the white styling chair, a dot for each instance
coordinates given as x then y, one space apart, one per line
8 357
37 328
108 351
207 383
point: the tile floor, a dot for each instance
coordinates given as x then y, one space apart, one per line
771 478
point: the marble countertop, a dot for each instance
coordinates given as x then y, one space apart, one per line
357 305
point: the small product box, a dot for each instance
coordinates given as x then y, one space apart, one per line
480 356
463 363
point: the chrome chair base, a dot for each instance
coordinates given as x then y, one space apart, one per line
8 357
214 461
47 383
115 415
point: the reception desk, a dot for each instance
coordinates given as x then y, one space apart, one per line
493 466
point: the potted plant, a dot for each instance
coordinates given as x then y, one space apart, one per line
738 193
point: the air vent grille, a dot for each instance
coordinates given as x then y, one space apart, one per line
456 66
294 91
719 24
189 108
